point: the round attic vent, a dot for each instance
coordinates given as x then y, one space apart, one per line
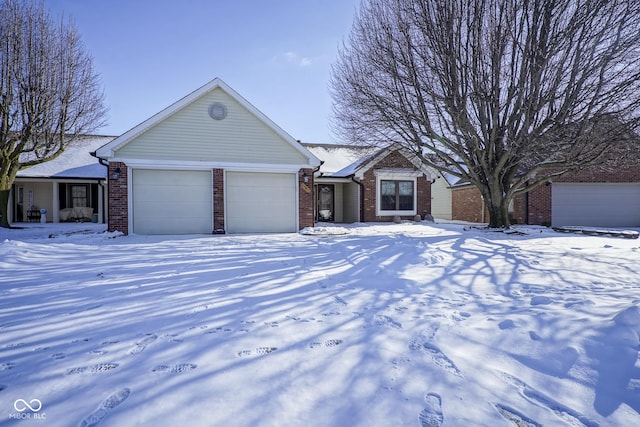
217 111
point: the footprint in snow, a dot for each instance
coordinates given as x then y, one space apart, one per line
381 320
565 413
507 324
6 366
175 369
143 343
431 415
438 357
260 351
101 367
340 300
516 417
105 408
327 343
441 359
216 330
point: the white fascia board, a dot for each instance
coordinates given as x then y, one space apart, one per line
197 165
329 180
391 173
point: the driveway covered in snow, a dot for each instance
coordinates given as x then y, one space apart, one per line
385 325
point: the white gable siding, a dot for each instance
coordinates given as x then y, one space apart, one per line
191 135
440 198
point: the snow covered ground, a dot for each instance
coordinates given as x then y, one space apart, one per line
370 325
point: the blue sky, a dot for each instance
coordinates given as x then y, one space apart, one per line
275 53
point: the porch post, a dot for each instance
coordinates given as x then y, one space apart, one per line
55 215
100 203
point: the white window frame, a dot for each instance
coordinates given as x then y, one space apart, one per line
396 175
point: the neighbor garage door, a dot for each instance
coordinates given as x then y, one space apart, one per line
172 202
599 204
260 202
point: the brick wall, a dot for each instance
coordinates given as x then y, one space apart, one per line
218 201
118 199
539 203
394 160
305 199
466 205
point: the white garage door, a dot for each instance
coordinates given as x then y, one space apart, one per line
260 202
172 202
599 204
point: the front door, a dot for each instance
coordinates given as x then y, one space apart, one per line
19 211
325 202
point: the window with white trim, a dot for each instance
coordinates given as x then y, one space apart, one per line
396 195
396 192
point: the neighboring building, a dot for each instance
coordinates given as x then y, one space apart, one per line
593 197
210 162
70 187
602 195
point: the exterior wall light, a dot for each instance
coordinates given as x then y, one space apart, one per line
115 175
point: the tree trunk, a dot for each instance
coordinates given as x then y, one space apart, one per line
498 216
4 208
498 207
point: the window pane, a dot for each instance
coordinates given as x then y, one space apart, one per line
78 196
388 188
405 196
406 188
387 195
406 203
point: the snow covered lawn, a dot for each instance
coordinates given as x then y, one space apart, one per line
375 325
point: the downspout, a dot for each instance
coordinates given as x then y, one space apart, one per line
526 205
313 190
353 178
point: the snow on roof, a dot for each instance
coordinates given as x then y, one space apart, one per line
339 160
75 162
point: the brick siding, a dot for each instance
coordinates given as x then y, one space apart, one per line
466 205
218 201
394 160
305 199
118 199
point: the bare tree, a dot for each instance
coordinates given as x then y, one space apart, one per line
49 92
505 94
